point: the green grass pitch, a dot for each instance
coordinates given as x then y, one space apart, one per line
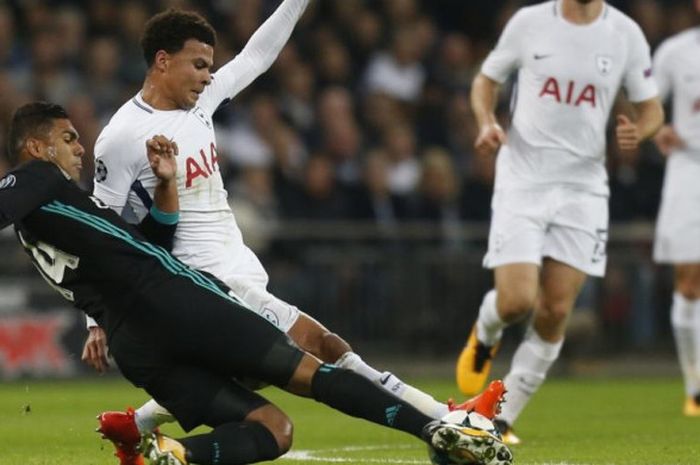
570 422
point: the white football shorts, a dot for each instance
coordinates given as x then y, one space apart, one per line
568 225
678 225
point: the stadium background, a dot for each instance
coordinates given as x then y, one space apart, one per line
368 101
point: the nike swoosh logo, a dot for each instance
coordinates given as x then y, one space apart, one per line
540 57
385 379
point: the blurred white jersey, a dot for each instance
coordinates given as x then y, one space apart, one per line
568 78
207 235
677 72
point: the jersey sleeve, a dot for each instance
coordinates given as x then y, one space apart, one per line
638 80
159 227
117 165
90 322
662 70
24 190
256 57
507 56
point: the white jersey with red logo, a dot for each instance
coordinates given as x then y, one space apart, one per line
568 78
123 178
207 235
677 71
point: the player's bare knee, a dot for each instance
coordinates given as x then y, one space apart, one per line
333 347
300 384
308 334
688 283
317 340
514 306
554 313
689 291
277 422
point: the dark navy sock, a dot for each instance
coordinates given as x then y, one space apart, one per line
232 444
359 397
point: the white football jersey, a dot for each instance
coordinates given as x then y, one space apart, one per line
677 71
568 78
207 236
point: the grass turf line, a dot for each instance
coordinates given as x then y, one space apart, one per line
569 422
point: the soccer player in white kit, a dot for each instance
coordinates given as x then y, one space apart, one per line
178 99
550 205
677 72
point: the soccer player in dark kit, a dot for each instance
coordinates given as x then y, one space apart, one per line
150 305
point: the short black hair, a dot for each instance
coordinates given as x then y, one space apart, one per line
31 120
170 29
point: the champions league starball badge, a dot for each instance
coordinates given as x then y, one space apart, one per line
604 63
100 170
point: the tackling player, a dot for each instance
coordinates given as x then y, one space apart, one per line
550 206
150 305
677 72
178 98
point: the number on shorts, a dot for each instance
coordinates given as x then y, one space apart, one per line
599 249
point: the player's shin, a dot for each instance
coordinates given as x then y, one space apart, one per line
531 362
231 444
357 396
390 382
685 321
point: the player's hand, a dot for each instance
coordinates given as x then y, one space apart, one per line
161 156
627 134
667 139
95 349
490 138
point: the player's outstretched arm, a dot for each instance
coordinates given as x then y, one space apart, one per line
484 96
650 117
257 56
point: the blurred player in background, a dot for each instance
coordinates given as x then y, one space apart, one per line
178 98
550 207
677 72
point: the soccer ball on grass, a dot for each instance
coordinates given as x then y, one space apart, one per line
485 447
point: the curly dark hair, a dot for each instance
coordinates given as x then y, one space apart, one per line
31 120
170 29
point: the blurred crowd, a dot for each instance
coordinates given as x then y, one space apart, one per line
365 115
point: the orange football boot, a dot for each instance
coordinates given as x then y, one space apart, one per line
120 428
488 403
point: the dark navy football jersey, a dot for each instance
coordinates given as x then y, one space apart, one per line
85 250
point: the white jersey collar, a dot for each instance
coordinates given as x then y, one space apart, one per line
558 13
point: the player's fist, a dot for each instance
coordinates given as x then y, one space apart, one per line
491 137
161 156
627 134
668 139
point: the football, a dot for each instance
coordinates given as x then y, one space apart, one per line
470 420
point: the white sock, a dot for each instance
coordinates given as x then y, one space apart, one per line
528 371
685 321
418 399
150 416
353 362
489 325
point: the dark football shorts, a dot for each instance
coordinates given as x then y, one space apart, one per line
185 345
